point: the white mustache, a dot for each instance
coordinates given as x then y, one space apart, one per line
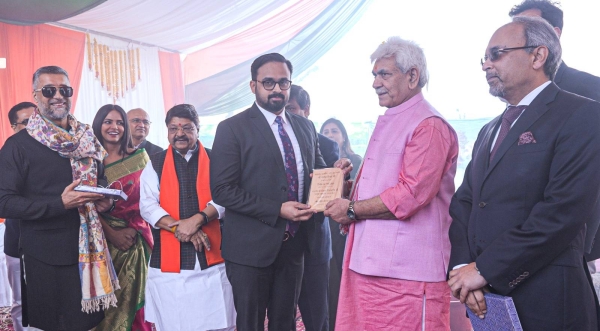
381 90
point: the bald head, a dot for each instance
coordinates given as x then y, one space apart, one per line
139 125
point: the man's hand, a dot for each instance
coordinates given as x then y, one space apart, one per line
122 238
337 210
164 222
296 211
187 227
200 240
344 164
464 280
72 199
104 205
476 302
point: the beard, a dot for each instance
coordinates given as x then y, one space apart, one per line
497 89
53 113
273 106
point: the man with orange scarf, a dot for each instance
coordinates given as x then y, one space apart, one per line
187 288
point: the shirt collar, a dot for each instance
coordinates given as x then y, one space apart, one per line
189 153
405 105
532 95
270 116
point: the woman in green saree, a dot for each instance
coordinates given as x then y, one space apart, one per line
128 235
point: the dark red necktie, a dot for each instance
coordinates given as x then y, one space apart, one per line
510 115
291 170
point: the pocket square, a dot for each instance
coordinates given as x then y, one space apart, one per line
526 138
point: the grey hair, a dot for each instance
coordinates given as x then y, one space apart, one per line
55 70
538 32
408 55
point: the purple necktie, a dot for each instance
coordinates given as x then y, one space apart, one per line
291 171
510 115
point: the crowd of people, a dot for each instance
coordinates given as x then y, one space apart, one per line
222 238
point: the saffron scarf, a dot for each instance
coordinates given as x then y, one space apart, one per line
170 248
96 271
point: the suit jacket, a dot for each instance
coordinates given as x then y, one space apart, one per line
521 216
586 85
329 150
578 82
150 148
247 177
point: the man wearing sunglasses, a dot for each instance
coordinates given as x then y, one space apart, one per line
18 117
139 126
519 217
260 172
40 167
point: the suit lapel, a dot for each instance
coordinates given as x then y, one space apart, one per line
303 146
532 113
264 128
482 155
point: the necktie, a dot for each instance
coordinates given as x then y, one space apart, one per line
291 170
510 115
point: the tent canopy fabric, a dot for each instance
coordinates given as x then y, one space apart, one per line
181 25
219 38
30 12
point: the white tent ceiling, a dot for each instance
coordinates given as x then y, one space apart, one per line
178 25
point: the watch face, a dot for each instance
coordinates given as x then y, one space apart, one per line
351 214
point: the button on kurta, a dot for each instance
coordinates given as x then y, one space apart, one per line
482 204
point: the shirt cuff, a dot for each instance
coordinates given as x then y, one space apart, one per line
459 266
220 210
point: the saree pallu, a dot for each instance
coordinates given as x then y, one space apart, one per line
131 265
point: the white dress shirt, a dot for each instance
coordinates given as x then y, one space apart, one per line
150 208
290 131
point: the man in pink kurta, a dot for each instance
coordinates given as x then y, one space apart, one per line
397 251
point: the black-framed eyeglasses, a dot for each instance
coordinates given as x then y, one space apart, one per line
495 53
138 121
23 123
269 84
50 91
185 129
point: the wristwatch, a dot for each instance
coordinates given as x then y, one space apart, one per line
205 221
351 214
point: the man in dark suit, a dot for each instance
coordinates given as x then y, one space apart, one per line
314 297
519 217
261 163
139 126
570 80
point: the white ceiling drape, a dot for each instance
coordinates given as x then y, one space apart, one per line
181 25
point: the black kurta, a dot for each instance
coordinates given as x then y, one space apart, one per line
32 179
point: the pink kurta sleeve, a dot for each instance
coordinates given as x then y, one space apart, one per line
427 156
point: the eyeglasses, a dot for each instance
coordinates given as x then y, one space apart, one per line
185 129
269 84
495 53
23 123
138 121
50 91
